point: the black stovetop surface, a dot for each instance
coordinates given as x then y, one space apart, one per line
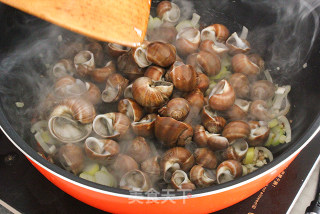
25 189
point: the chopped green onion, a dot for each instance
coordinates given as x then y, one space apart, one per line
189 23
282 139
223 74
48 149
287 127
87 176
278 130
195 20
273 123
38 126
275 141
19 104
91 169
154 23
184 24
105 178
249 156
268 76
270 139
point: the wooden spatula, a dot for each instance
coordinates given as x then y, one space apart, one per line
118 21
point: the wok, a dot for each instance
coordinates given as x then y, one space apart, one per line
21 67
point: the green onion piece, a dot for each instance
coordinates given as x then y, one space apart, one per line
105 178
278 129
282 139
223 74
91 169
270 139
20 104
104 169
87 176
273 123
154 23
184 24
46 136
249 156
208 91
276 141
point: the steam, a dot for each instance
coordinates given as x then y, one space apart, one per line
186 8
287 42
25 69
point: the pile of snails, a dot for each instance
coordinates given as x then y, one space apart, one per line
159 115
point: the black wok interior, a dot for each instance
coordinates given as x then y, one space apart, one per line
16 83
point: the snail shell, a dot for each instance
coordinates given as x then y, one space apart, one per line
203 139
187 41
235 130
206 158
183 77
211 121
236 151
156 73
238 111
70 121
222 96
123 164
237 45
259 133
228 170
115 50
138 149
69 87
259 110
174 159
93 93
115 87
111 125
135 180
168 11
213 47
139 55
100 75
196 101
145 127
130 108
63 68
201 176
240 84
215 32
205 62
84 63
160 53
151 166
96 49
180 180
71 157
128 67
171 132
203 82
101 149
177 108
241 63
262 90
149 93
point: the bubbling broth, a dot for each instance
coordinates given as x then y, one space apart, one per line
192 106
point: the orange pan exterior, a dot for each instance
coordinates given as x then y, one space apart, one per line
214 201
